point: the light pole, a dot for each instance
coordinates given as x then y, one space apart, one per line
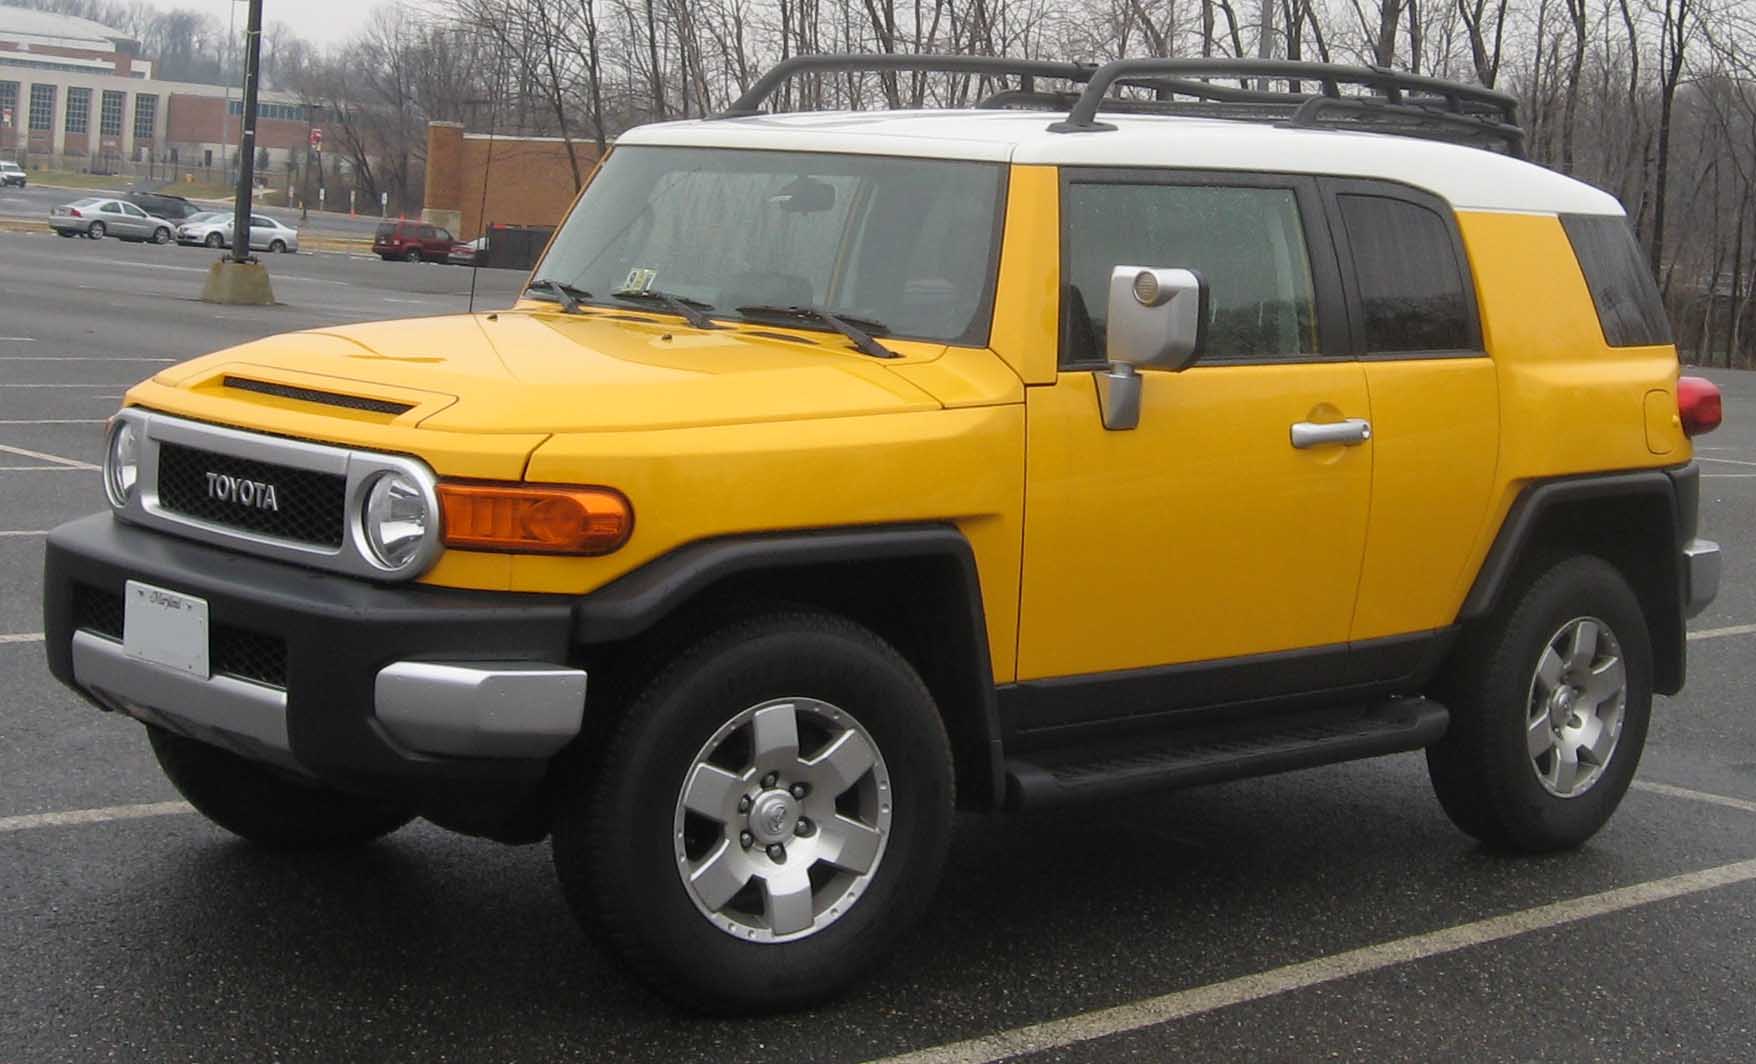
237 278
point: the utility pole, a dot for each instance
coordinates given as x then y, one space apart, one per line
247 148
237 278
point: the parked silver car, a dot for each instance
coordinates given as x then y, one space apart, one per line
101 216
214 229
11 174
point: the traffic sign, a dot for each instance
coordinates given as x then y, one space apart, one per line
317 138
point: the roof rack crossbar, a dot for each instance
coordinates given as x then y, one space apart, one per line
1424 96
993 66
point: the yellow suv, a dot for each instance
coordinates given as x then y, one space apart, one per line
871 465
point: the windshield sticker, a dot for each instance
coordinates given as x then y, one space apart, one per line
640 279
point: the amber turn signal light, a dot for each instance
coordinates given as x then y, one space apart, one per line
534 520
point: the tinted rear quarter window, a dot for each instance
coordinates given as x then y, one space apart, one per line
1629 307
1411 282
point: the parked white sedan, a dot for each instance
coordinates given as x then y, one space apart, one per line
214 229
100 216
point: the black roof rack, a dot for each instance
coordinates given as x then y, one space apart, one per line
1381 100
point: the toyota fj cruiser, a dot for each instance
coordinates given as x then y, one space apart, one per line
872 465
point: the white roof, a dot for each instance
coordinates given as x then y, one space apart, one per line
63 29
1469 178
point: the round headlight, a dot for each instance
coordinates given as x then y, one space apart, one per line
122 462
397 519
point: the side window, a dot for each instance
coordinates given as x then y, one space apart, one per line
257 221
1411 283
112 208
1247 242
1629 308
132 211
444 234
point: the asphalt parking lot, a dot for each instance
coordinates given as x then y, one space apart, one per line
1329 914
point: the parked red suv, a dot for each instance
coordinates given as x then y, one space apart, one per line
412 241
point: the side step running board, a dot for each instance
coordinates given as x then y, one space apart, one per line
1187 758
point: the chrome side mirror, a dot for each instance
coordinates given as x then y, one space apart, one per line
1157 320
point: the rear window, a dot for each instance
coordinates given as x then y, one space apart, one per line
1629 308
385 231
1411 283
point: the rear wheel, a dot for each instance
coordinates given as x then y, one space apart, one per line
257 803
96 231
278 247
412 255
1550 702
773 813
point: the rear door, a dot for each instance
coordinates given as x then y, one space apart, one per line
1434 398
1177 562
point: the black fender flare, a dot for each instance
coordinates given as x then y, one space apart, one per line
638 600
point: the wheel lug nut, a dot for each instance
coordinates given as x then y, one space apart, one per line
800 790
744 804
804 828
746 840
777 852
770 780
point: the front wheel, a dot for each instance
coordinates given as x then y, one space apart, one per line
214 240
772 814
255 802
1550 701
161 235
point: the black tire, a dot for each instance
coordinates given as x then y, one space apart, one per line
215 240
278 247
412 255
96 231
256 803
613 825
161 235
1482 770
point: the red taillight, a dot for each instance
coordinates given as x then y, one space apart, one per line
1698 405
75 212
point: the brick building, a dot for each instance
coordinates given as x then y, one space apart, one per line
75 95
529 180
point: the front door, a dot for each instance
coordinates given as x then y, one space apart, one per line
1213 531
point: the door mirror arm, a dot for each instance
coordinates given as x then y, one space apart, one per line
1157 320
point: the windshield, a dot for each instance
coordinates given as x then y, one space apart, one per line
906 243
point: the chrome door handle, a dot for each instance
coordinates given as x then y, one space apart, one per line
1350 433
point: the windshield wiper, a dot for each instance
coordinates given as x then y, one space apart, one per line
855 329
565 294
690 310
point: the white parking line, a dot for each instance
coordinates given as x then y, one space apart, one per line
59 421
22 637
1152 1012
47 469
70 463
1725 461
1698 796
129 384
80 358
1721 633
21 533
18 339
93 816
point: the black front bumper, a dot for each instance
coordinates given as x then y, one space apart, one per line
321 638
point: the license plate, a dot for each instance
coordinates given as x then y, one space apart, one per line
166 628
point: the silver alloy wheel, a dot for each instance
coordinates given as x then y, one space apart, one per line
1573 718
782 820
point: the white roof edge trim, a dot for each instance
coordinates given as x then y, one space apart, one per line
739 135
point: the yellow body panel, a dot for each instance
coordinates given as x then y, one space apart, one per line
1200 534
1027 301
1435 440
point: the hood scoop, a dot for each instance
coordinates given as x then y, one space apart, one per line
313 395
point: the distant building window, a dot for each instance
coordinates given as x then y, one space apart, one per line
42 108
9 103
146 114
110 118
78 110
285 112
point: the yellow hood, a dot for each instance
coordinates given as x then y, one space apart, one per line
524 372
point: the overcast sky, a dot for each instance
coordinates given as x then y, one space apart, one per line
319 21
